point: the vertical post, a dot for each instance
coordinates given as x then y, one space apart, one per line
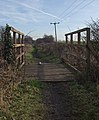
22 39
55 36
19 42
14 37
18 38
78 60
55 29
14 41
88 54
66 39
55 32
22 42
23 48
78 37
71 38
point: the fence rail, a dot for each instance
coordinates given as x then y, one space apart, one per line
18 44
90 56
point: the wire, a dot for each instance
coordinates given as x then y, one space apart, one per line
69 28
67 9
70 6
80 8
48 28
74 8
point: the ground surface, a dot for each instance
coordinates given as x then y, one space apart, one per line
49 72
55 94
57 99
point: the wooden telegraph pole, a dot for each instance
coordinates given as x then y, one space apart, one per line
55 29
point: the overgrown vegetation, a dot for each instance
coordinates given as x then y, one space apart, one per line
25 98
8 46
95 34
45 56
84 101
8 71
29 56
26 103
45 39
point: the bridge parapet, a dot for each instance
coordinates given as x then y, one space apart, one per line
79 52
75 55
18 44
17 39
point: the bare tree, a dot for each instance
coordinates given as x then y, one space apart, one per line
94 26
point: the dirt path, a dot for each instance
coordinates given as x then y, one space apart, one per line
57 99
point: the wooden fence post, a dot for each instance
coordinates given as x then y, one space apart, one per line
66 39
71 38
88 54
78 37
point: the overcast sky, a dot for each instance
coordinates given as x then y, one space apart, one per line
36 15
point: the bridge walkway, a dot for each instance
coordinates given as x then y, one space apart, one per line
48 72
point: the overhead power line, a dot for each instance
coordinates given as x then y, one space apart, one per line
79 4
69 7
80 8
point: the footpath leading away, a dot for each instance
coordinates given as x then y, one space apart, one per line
55 95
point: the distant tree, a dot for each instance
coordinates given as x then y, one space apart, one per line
28 40
45 39
39 40
48 38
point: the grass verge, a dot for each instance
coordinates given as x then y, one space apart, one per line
26 103
84 102
30 50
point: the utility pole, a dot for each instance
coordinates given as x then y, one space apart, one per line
55 29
